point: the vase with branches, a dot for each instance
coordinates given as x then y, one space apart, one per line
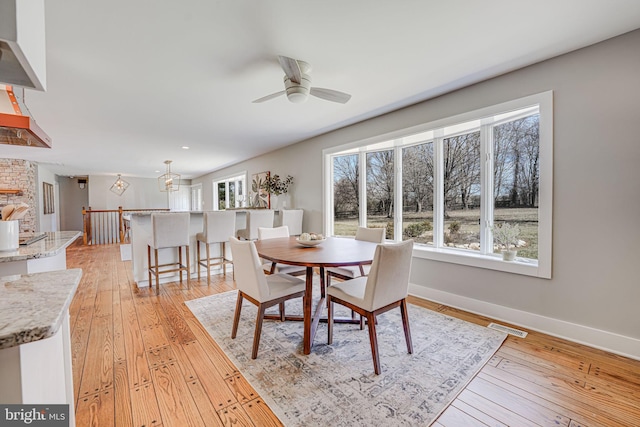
277 187
506 235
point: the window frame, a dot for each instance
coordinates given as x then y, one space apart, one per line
542 267
236 177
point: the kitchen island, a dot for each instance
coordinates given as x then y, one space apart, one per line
35 340
48 254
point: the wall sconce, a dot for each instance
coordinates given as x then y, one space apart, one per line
120 186
169 181
82 183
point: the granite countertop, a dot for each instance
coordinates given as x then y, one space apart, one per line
49 246
32 306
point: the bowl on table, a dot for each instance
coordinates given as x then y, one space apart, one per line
310 239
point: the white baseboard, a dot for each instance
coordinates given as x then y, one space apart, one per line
608 341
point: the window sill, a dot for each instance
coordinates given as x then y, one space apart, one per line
523 266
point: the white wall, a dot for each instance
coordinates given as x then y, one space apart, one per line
72 200
47 222
142 193
594 292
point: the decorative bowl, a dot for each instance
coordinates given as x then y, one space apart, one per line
310 243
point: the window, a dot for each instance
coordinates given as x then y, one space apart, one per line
230 192
196 197
445 184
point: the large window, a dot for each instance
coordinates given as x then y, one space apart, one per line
230 192
446 184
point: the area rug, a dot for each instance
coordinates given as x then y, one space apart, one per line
335 385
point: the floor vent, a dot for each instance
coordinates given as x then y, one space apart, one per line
512 331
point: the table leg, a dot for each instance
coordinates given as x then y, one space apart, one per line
307 310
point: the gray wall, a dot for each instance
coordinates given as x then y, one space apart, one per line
594 292
72 200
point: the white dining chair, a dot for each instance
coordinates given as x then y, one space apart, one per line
256 218
262 290
374 235
386 287
265 233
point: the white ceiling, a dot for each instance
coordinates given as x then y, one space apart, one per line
131 82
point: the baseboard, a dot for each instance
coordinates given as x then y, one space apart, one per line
603 340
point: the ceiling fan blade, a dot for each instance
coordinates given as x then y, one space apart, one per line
268 97
330 95
291 68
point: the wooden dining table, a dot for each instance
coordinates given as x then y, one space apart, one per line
333 252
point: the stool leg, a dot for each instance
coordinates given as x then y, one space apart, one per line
157 270
223 259
149 264
198 257
180 263
208 264
188 268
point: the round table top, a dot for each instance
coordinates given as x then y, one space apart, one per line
333 252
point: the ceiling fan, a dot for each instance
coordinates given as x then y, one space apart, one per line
297 83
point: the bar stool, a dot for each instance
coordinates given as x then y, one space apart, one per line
168 230
292 218
256 218
217 227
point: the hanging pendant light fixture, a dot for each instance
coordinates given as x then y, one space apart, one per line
169 181
120 186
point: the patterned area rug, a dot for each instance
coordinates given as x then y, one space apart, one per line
335 385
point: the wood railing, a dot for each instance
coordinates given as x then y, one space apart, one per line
103 227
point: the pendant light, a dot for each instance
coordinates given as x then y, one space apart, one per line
120 186
169 181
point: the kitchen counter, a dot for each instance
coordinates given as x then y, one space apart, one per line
35 338
48 254
32 306
49 246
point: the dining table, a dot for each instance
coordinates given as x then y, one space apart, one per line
332 252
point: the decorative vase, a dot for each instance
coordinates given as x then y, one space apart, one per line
9 235
509 255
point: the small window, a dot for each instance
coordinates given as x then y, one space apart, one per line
230 192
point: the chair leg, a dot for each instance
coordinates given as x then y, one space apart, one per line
236 317
256 335
223 259
188 268
281 306
405 325
373 338
322 283
329 321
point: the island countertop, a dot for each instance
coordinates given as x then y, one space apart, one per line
33 306
49 246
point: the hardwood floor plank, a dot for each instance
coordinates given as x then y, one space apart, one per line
122 396
217 388
261 414
494 410
180 331
103 304
477 414
527 408
242 389
98 373
454 417
177 407
220 360
154 337
137 365
96 410
205 407
235 416
144 405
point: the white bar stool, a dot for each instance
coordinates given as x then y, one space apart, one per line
218 227
168 230
292 218
256 218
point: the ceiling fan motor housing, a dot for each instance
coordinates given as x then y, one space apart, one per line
298 93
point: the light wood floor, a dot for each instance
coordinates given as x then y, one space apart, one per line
144 360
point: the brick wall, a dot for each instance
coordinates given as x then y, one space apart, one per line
20 175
